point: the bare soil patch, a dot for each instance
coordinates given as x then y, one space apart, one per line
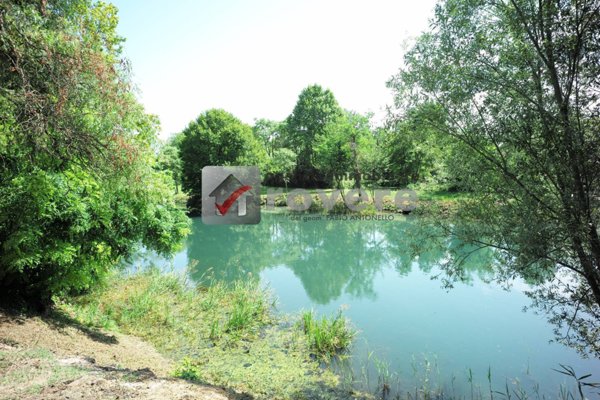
55 358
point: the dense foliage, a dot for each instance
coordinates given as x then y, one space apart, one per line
216 138
318 145
77 187
315 110
516 84
345 147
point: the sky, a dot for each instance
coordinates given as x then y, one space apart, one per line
252 58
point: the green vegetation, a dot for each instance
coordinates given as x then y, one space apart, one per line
77 185
160 308
216 138
314 111
318 145
169 160
496 121
282 164
327 336
377 378
222 334
511 86
345 146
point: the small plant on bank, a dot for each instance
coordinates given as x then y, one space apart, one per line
187 370
327 336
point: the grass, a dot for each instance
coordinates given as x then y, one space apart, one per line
327 336
228 335
221 334
247 306
437 192
28 371
164 309
425 382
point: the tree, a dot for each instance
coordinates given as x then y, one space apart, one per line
78 190
362 143
399 157
333 153
269 133
282 163
343 147
411 152
516 82
216 137
314 110
170 161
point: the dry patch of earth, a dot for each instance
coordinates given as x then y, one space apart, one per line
55 358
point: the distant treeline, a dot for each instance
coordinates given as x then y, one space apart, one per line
319 145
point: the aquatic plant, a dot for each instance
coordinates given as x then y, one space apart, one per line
327 336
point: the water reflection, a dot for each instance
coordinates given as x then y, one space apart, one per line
330 258
381 271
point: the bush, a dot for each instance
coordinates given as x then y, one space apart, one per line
187 370
72 229
77 187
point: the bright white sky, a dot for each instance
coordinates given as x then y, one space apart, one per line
252 58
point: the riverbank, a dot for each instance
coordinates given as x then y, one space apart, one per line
55 357
152 335
226 336
430 201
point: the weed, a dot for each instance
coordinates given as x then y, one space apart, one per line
187 370
220 333
327 336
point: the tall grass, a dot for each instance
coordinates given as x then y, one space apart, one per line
172 314
221 333
327 336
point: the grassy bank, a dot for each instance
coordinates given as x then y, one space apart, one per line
431 200
226 335
53 357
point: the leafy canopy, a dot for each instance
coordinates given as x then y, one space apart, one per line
77 187
315 109
216 137
516 84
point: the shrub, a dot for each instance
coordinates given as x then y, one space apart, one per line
77 187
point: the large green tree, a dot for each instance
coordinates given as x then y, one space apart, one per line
270 134
410 151
77 186
517 83
315 109
216 137
281 165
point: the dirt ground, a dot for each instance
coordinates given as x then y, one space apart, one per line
55 358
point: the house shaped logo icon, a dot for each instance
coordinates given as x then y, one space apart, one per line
230 195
